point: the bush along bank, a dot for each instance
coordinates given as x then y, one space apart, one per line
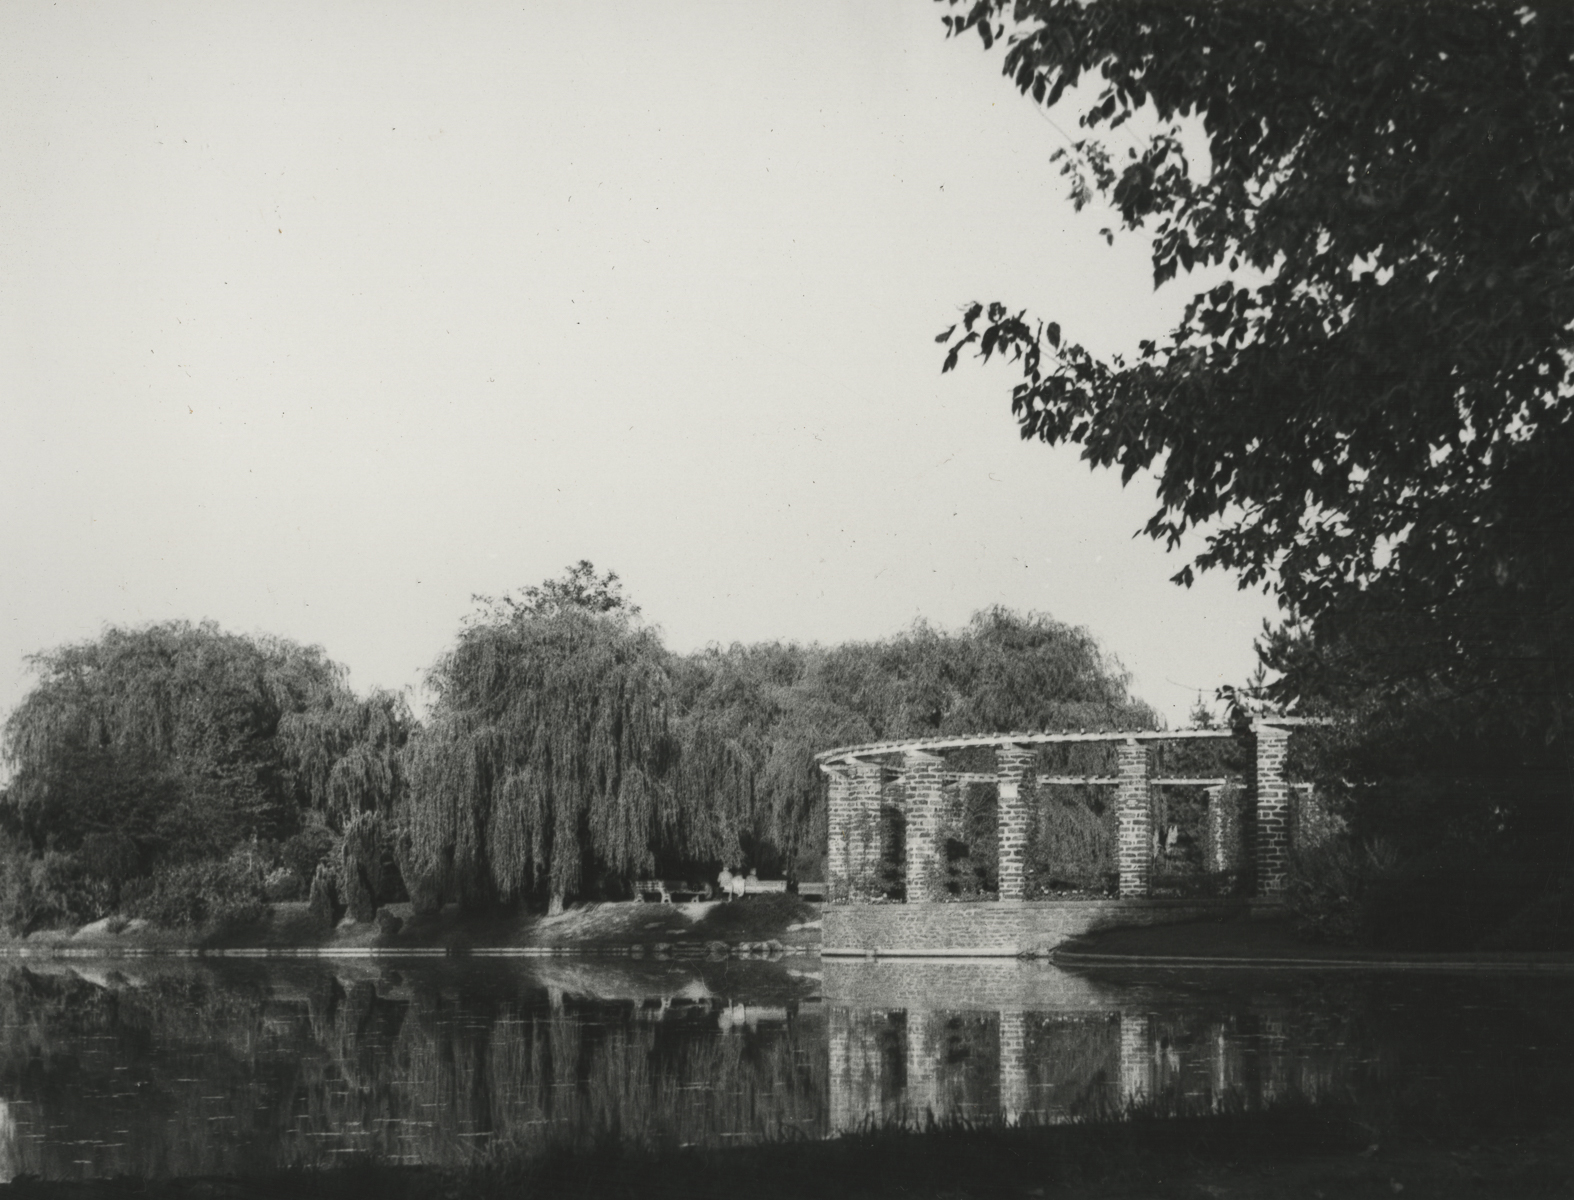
754 926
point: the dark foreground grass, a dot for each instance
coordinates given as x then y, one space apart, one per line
1289 1151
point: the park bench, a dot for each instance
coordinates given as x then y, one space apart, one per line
757 887
811 891
669 891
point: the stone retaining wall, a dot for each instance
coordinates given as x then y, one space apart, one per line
998 928
987 986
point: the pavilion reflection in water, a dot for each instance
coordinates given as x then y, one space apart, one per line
992 1040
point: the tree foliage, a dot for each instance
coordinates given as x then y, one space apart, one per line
546 756
568 751
1366 405
149 748
773 707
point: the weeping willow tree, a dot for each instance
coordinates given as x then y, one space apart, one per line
189 706
753 718
344 753
175 742
549 757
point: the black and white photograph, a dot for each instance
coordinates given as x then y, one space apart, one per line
756 599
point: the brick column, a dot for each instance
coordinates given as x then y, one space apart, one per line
921 777
838 853
1134 820
1273 810
863 831
1014 1099
1014 768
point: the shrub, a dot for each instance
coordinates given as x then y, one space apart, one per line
303 851
1203 885
282 883
322 903
186 895
1331 888
1546 923
45 891
1449 901
361 865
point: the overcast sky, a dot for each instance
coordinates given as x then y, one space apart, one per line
318 318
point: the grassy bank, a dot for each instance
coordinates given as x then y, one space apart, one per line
767 924
1275 1155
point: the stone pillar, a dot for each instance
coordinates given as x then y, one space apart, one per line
1224 828
921 779
1015 771
1273 810
863 831
838 852
1134 820
1014 1099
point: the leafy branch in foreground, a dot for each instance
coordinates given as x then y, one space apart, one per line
1367 406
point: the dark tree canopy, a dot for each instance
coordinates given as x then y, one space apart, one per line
155 750
185 712
1366 406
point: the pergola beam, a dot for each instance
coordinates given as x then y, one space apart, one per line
930 745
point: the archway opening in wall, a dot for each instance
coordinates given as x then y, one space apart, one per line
1072 826
970 842
1071 843
1196 828
891 873
1179 841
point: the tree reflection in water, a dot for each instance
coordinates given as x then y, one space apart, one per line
184 1068
156 1067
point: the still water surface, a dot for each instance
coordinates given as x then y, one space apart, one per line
196 1067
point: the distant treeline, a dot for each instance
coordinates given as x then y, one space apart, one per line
182 773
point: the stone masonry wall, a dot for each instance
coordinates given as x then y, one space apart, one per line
980 985
994 928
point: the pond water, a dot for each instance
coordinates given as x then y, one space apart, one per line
201 1066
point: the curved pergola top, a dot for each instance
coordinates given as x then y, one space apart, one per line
849 754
